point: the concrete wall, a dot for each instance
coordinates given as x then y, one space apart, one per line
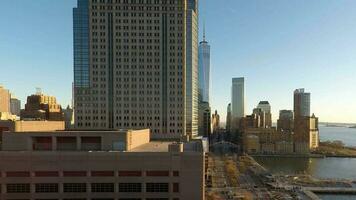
136 138
22 141
30 126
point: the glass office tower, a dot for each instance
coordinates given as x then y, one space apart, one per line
204 71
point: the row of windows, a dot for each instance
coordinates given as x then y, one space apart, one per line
137 48
92 173
134 120
131 125
94 187
156 29
133 40
133 60
131 69
99 8
135 21
139 1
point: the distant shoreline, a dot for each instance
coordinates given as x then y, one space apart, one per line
289 155
302 156
341 125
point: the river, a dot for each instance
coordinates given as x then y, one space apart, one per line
344 134
337 168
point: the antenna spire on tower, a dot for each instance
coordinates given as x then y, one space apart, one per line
204 31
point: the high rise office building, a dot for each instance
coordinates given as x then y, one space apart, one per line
301 103
136 66
286 114
285 121
15 106
42 107
266 108
306 127
228 117
237 101
204 71
204 119
4 100
191 68
215 122
204 85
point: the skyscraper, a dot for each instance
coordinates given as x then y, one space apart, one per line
191 69
4 100
139 69
42 107
301 103
306 127
204 83
215 121
228 117
285 121
204 71
266 108
237 101
204 119
15 105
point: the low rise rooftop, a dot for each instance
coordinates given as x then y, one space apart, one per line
153 146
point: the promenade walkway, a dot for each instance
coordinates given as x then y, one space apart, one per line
331 190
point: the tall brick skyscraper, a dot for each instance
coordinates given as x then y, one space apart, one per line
136 65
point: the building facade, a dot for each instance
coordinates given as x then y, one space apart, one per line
5 105
267 141
261 117
215 122
204 86
204 71
285 122
301 103
31 126
108 165
266 108
15 106
228 117
306 134
237 101
42 107
204 119
192 68
136 66
306 127
4 100
68 117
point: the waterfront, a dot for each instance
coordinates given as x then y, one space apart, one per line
318 167
336 168
336 197
325 168
344 134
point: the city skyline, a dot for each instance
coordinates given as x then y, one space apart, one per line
47 63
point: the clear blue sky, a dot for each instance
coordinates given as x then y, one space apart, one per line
277 45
